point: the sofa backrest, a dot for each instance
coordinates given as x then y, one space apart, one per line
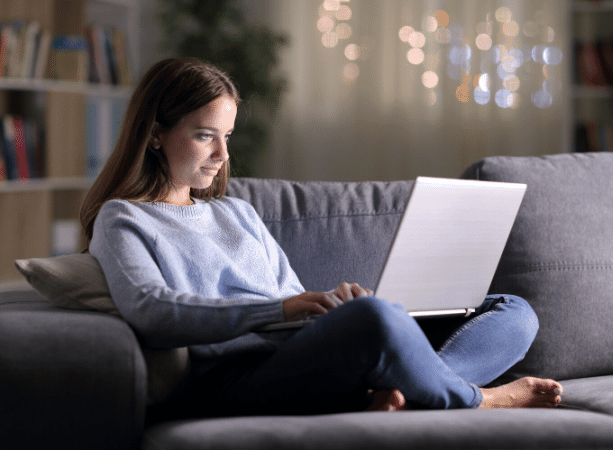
559 257
331 231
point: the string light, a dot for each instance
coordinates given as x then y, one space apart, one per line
497 62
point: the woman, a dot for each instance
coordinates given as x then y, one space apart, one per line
187 266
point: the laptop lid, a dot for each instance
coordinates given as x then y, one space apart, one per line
448 244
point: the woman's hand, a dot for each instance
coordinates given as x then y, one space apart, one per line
310 303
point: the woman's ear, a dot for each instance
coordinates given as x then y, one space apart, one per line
154 140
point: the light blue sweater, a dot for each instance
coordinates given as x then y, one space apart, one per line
204 276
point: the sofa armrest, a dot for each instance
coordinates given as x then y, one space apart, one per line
68 379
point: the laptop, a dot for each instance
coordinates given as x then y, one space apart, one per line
446 248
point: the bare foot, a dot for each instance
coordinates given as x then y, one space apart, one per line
528 392
390 400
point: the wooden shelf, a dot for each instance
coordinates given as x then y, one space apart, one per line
78 119
67 87
45 184
593 92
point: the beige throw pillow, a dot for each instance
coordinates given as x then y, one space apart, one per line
76 281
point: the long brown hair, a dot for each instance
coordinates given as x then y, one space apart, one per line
135 170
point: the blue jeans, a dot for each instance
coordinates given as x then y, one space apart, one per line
368 343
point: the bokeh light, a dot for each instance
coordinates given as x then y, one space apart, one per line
483 41
325 24
482 97
518 60
442 18
462 93
343 13
352 52
417 39
510 28
332 5
405 32
415 56
542 99
503 14
431 24
429 79
343 31
329 40
503 98
351 71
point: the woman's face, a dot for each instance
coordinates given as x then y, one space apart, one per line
197 146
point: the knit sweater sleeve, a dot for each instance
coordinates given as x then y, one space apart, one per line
125 244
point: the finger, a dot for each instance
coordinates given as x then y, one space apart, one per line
343 292
369 292
333 301
358 291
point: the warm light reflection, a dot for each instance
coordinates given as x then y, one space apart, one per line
416 56
503 14
332 5
442 18
352 52
530 29
462 93
550 34
343 13
429 79
343 31
431 24
417 39
483 42
510 28
329 40
325 24
404 33
511 83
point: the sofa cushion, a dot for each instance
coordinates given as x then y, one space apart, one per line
68 379
331 232
590 394
452 429
559 257
76 281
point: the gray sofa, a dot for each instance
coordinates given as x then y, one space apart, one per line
74 379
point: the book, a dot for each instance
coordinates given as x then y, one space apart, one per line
605 50
6 44
30 131
97 44
590 66
23 165
32 36
125 74
69 57
42 55
15 59
8 132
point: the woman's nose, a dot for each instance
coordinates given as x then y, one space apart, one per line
221 151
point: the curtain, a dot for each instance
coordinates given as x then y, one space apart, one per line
394 89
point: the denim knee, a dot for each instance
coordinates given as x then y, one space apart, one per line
522 313
381 325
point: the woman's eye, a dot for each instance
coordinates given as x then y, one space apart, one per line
228 137
205 137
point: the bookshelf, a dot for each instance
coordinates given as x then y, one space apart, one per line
592 93
73 111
